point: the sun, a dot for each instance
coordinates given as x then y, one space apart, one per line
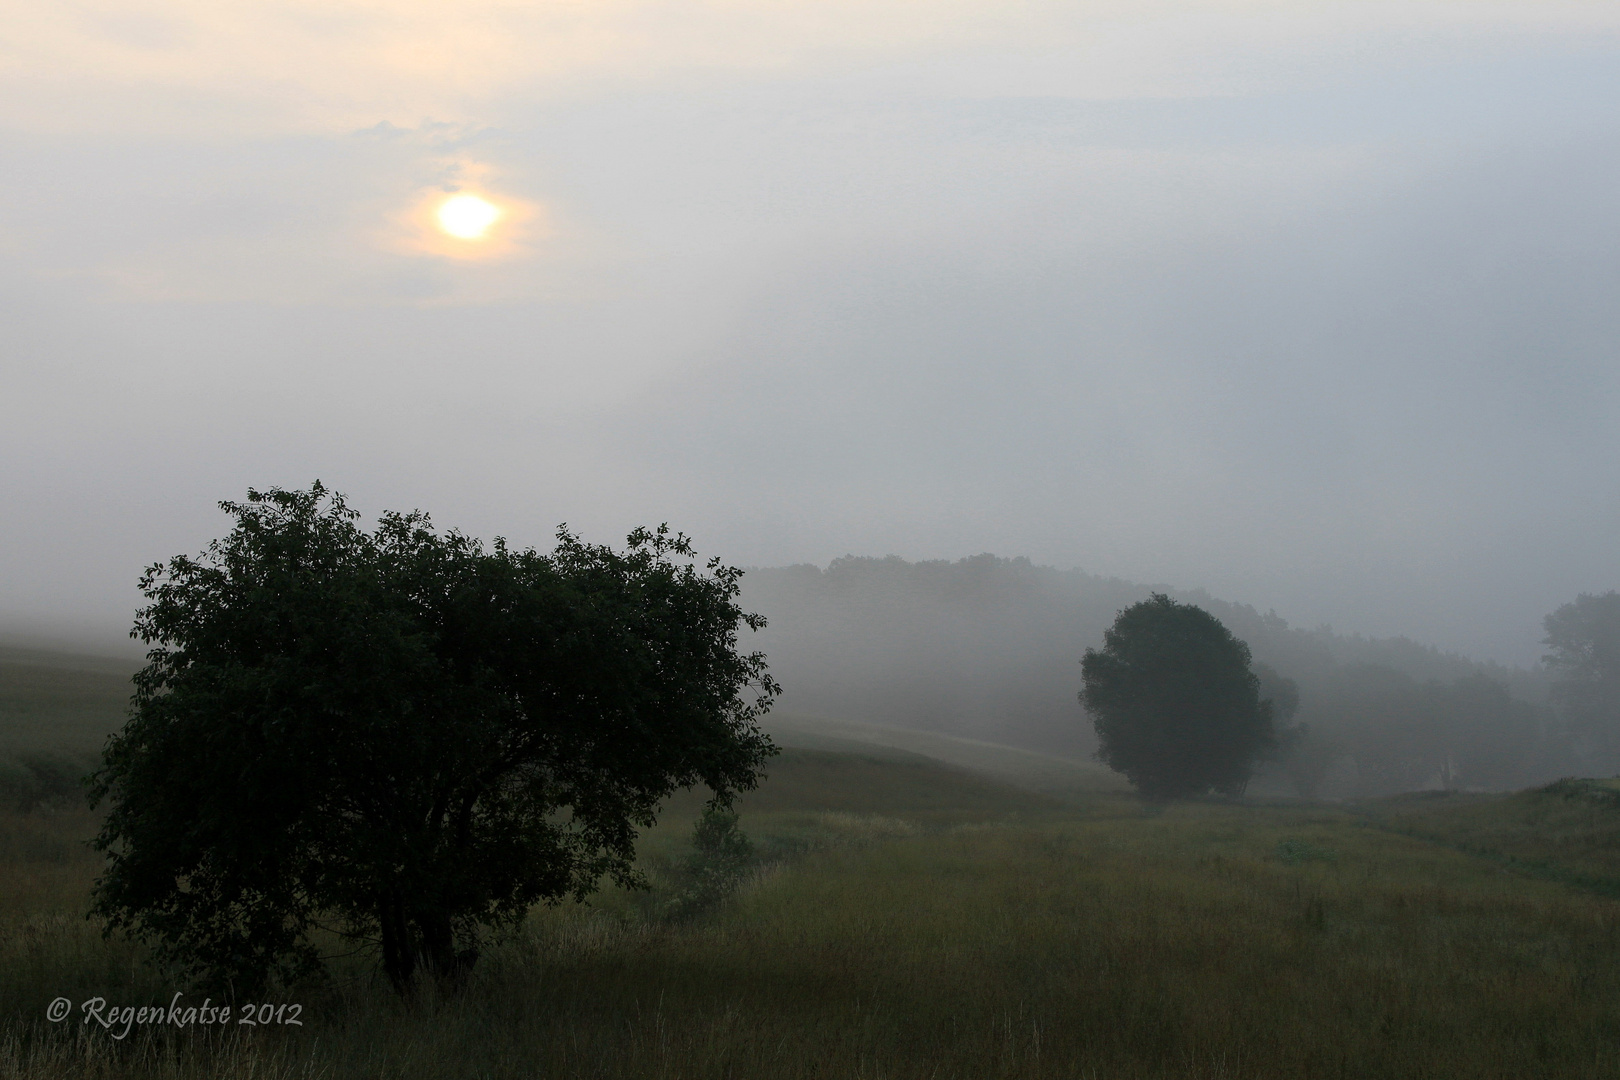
467 217
469 221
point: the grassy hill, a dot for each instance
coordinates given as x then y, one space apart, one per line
1568 831
56 701
1045 773
56 710
922 906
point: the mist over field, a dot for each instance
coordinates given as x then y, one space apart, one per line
988 649
959 539
1308 306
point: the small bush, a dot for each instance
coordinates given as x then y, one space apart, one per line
1294 852
721 859
1596 791
31 781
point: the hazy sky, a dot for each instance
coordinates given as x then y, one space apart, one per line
1315 305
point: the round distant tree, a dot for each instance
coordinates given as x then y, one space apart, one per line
1176 706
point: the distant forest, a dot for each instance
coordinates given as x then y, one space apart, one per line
989 648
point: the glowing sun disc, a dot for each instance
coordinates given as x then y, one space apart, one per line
467 217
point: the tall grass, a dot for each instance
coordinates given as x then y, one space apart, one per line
1568 831
1101 942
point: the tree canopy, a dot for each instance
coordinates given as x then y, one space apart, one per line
1177 709
406 736
1583 638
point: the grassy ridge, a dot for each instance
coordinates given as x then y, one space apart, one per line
1059 777
60 702
56 711
1568 831
912 786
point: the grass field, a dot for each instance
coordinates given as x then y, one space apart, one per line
914 917
56 710
1060 777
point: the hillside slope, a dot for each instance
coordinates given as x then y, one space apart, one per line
1047 774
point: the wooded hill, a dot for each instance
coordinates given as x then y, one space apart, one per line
989 648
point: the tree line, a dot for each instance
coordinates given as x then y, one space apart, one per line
988 648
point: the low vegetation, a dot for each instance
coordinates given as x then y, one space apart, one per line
873 912
1568 831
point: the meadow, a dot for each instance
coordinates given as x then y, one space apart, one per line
910 915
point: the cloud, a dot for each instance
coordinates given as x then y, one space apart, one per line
184 67
1306 303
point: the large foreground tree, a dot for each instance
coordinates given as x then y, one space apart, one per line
405 737
1176 706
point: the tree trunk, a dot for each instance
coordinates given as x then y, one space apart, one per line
439 949
399 951
420 941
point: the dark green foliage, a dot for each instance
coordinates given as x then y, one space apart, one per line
1282 694
1584 639
1176 707
720 846
722 856
1281 691
1295 851
405 736
1405 734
